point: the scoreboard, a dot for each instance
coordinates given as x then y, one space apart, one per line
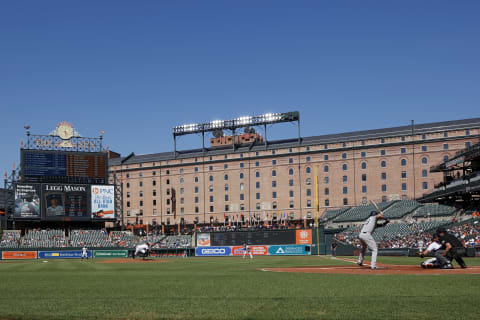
39 166
64 202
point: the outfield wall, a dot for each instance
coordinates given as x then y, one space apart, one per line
262 243
274 250
59 254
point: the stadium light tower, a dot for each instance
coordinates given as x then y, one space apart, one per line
234 124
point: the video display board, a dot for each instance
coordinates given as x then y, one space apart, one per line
64 167
27 201
65 201
252 238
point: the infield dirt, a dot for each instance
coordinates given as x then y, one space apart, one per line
385 269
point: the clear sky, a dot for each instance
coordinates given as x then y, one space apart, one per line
135 69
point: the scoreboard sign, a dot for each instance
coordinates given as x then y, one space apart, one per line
64 167
65 202
103 202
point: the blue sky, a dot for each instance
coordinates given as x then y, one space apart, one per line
135 69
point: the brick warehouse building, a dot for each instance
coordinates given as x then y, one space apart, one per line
353 168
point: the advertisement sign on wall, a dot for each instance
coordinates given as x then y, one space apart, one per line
303 236
19 255
110 253
203 240
76 254
288 250
256 251
213 251
103 202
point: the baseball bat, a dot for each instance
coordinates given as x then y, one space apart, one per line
373 202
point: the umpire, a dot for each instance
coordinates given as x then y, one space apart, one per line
453 249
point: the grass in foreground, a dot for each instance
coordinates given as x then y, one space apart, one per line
227 288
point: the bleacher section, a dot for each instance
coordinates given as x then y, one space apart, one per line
10 239
332 214
361 213
124 239
406 234
402 230
44 239
90 238
181 241
401 209
434 210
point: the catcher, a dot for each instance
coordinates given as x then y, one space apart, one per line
432 263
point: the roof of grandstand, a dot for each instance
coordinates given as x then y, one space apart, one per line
466 154
306 141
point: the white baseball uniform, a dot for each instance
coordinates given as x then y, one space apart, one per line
142 248
367 241
84 252
248 250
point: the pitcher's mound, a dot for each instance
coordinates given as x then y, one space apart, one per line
130 260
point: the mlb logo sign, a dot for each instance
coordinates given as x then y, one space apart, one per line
303 236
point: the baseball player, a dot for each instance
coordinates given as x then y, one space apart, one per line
366 239
84 252
334 249
453 249
247 249
433 247
142 249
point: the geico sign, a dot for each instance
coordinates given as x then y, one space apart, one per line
214 251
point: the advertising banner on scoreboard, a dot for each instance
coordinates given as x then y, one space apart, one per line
27 201
256 250
213 251
110 253
65 202
288 250
19 255
103 202
74 254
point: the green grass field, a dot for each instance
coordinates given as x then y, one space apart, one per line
228 288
